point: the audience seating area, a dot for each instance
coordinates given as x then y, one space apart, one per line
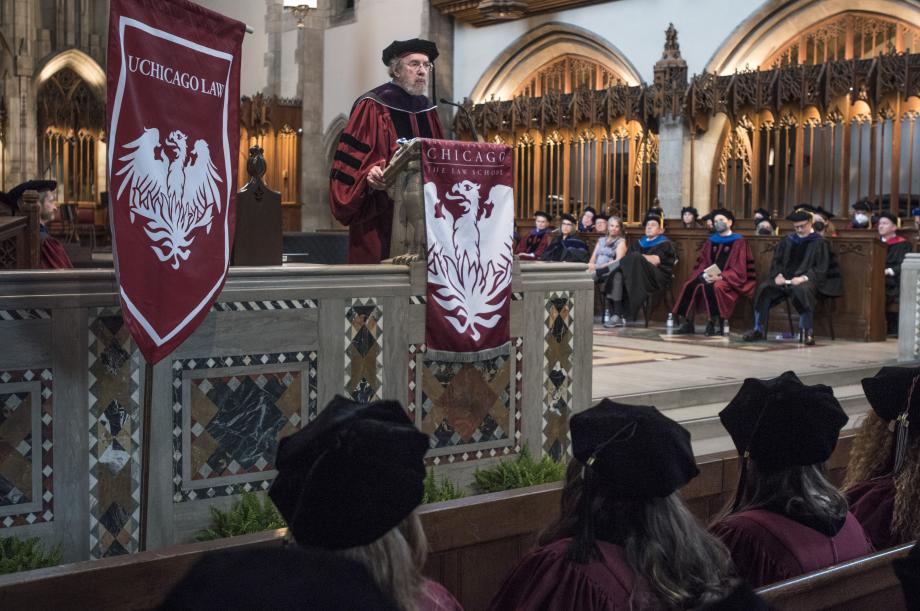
474 541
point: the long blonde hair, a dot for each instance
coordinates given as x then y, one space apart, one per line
871 457
395 560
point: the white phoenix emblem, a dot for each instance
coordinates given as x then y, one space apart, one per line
471 274
173 189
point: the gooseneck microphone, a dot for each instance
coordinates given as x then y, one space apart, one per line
466 113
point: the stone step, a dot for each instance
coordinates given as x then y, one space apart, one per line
666 400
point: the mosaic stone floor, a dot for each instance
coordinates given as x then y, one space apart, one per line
605 356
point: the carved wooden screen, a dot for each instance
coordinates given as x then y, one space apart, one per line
827 133
612 170
70 123
273 124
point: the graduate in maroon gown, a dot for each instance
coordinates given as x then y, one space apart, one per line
532 245
398 109
786 519
883 476
51 251
349 482
718 292
624 539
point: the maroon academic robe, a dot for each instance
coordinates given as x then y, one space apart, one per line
767 547
739 278
53 255
546 581
378 119
533 244
435 597
872 502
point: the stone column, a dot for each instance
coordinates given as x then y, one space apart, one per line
274 24
673 133
314 179
22 148
439 29
673 173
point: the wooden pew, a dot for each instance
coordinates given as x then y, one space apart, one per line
473 542
864 583
19 240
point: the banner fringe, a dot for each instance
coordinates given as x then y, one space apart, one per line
468 357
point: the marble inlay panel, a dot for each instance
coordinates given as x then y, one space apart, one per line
26 447
114 435
230 412
363 350
469 410
557 372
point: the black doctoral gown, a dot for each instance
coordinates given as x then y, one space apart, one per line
641 278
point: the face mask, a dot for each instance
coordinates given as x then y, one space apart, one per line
764 231
819 226
720 226
861 219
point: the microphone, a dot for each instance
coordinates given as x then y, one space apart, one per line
466 113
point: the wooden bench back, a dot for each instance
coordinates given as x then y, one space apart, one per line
473 543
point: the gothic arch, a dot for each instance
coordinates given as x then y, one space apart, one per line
331 137
759 36
81 63
541 46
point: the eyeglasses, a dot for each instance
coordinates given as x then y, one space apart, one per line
415 65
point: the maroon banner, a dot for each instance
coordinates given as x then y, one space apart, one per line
173 106
469 220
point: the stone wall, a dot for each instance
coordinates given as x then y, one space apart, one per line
276 347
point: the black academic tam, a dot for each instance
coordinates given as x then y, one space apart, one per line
398 48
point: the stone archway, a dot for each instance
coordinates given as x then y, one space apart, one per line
70 101
540 47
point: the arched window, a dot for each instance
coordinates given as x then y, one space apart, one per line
71 120
851 35
566 74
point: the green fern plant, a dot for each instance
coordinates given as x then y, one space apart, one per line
436 491
26 554
247 515
518 473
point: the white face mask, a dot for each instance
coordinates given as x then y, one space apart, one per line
720 226
861 219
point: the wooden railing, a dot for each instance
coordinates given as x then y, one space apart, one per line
864 583
473 543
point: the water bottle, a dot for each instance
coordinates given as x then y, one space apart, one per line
606 315
725 328
670 323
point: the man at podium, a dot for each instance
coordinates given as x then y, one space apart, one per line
398 109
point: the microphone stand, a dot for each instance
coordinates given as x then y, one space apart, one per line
466 113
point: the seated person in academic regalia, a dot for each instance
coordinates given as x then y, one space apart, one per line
883 476
600 223
759 215
624 538
786 519
646 269
689 218
861 217
567 246
52 253
821 220
765 226
276 578
586 224
898 248
799 271
717 289
707 222
534 243
349 482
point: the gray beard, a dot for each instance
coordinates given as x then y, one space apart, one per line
411 87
